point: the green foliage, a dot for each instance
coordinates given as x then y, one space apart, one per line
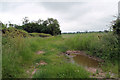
3 26
111 67
50 26
40 35
116 27
107 75
97 71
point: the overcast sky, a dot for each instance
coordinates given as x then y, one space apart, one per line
73 15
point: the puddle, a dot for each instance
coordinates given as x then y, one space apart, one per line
85 61
81 58
90 63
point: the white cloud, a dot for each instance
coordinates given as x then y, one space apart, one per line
86 15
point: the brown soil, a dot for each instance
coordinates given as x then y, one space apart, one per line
35 68
41 63
40 52
100 73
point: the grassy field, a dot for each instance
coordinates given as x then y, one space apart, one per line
20 56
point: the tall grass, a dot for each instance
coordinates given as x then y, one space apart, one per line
16 55
106 47
61 71
20 53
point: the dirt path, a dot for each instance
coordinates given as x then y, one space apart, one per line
96 72
32 70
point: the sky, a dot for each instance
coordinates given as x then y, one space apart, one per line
72 15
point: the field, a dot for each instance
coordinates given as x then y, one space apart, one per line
37 57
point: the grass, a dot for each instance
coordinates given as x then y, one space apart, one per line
61 71
106 47
40 35
13 32
19 54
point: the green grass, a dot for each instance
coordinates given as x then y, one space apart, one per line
61 71
19 54
106 48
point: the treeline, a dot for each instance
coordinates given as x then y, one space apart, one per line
78 32
49 26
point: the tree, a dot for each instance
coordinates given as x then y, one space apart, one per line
49 26
40 21
116 26
25 20
3 26
106 31
54 27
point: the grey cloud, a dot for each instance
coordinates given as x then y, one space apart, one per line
8 6
73 16
64 7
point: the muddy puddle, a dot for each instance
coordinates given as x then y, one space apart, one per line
84 60
90 63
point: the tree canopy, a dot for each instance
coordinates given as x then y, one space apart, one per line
49 26
116 26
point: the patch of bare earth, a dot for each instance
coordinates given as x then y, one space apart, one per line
35 67
40 52
97 72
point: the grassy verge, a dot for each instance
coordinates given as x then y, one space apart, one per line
19 54
63 70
